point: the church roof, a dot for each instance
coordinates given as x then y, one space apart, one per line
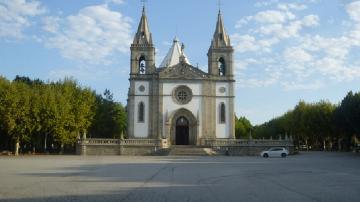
182 70
173 56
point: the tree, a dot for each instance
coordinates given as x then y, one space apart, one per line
110 117
57 113
242 127
16 116
347 118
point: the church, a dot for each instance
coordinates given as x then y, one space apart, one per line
176 101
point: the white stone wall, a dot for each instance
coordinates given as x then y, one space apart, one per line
220 85
222 129
141 129
138 84
170 106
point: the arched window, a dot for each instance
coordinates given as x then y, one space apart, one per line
142 65
222 113
221 66
141 112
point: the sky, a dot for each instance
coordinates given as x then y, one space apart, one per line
285 51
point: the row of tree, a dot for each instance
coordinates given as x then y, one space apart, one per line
47 116
320 125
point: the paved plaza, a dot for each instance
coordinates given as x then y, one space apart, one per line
315 176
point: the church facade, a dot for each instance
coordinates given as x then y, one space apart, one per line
175 100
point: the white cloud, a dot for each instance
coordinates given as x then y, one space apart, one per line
281 30
248 43
14 16
265 3
303 60
245 43
115 1
337 69
254 82
91 36
291 86
270 16
290 29
296 54
310 20
294 6
353 10
51 24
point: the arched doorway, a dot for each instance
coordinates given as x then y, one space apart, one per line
182 131
182 124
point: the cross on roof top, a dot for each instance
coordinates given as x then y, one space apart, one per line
219 5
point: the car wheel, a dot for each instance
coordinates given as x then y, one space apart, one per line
283 155
265 155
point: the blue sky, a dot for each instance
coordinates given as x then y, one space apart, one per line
285 51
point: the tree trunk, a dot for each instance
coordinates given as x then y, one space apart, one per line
17 145
324 145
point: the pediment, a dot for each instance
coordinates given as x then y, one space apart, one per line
182 70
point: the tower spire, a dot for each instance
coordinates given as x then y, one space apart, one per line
220 54
143 34
220 38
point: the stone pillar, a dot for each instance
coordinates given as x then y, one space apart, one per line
232 110
83 142
17 146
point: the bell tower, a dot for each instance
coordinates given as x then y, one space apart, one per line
220 69
142 50
141 103
220 54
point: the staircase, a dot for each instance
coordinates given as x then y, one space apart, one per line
190 150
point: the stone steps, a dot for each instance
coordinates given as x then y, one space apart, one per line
190 150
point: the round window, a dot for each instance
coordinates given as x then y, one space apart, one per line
141 88
182 94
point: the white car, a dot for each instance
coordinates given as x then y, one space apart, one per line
275 152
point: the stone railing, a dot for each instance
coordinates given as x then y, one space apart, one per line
246 142
124 142
98 141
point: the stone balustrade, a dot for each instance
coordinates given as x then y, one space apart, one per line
246 142
98 146
125 142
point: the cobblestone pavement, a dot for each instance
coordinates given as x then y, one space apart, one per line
315 176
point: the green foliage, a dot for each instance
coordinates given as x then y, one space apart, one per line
347 115
318 124
39 113
110 118
242 127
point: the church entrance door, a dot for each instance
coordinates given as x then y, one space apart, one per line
182 131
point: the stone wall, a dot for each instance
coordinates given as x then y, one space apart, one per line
246 150
247 147
133 147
